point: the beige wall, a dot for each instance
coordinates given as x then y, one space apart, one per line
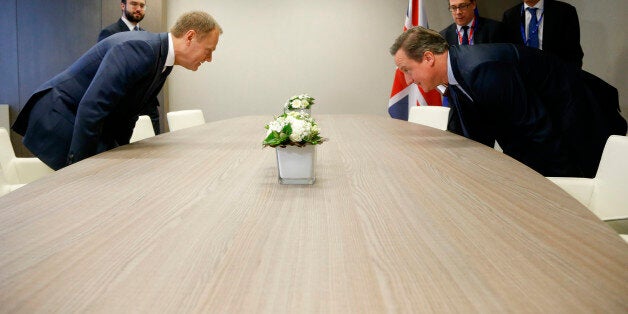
337 52
605 42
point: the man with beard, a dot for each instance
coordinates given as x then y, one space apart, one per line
132 13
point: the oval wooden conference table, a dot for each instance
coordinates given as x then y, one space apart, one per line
402 218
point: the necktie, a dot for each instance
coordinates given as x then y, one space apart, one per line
533 29
465 35
136 28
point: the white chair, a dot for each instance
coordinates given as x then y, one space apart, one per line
17 170
182 119
4 116
606 195
432 116
143 129
6 187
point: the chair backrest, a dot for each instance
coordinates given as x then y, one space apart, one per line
143 129
6 149
7 155
4 116
182 119
432 116
610 193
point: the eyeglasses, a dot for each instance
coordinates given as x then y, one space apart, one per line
461 7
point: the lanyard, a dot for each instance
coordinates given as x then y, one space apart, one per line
471 31
523 21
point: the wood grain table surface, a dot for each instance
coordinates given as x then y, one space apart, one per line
402 218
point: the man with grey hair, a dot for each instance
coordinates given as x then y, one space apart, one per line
549 115
93 105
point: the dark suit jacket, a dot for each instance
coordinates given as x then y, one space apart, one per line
549 115
152 111
486 31
92 106
561 30
116 27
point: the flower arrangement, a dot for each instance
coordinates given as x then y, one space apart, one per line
297 102
292 128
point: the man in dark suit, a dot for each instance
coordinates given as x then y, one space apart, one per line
551 116
132 14
93 105
553 28
467 29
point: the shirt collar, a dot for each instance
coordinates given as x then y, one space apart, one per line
451 79
539 5
128 23
470 24
170 57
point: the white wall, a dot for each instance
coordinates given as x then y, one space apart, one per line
338 52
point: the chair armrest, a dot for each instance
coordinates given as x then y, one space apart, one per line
29 169
580 188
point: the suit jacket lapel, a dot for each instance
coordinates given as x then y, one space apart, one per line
122 26
159 77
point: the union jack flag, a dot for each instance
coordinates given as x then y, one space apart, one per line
404 96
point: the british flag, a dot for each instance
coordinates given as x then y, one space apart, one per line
404 96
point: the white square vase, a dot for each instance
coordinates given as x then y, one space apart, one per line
296 164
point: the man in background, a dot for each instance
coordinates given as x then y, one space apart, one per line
549 25
93 105
553 117
132 14
469 29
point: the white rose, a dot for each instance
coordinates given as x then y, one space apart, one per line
296 104
276 125
298 130
305 103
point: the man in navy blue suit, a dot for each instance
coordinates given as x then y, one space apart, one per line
93 105
556 28
133 13
549 115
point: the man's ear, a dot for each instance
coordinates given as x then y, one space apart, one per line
429 57
189 35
